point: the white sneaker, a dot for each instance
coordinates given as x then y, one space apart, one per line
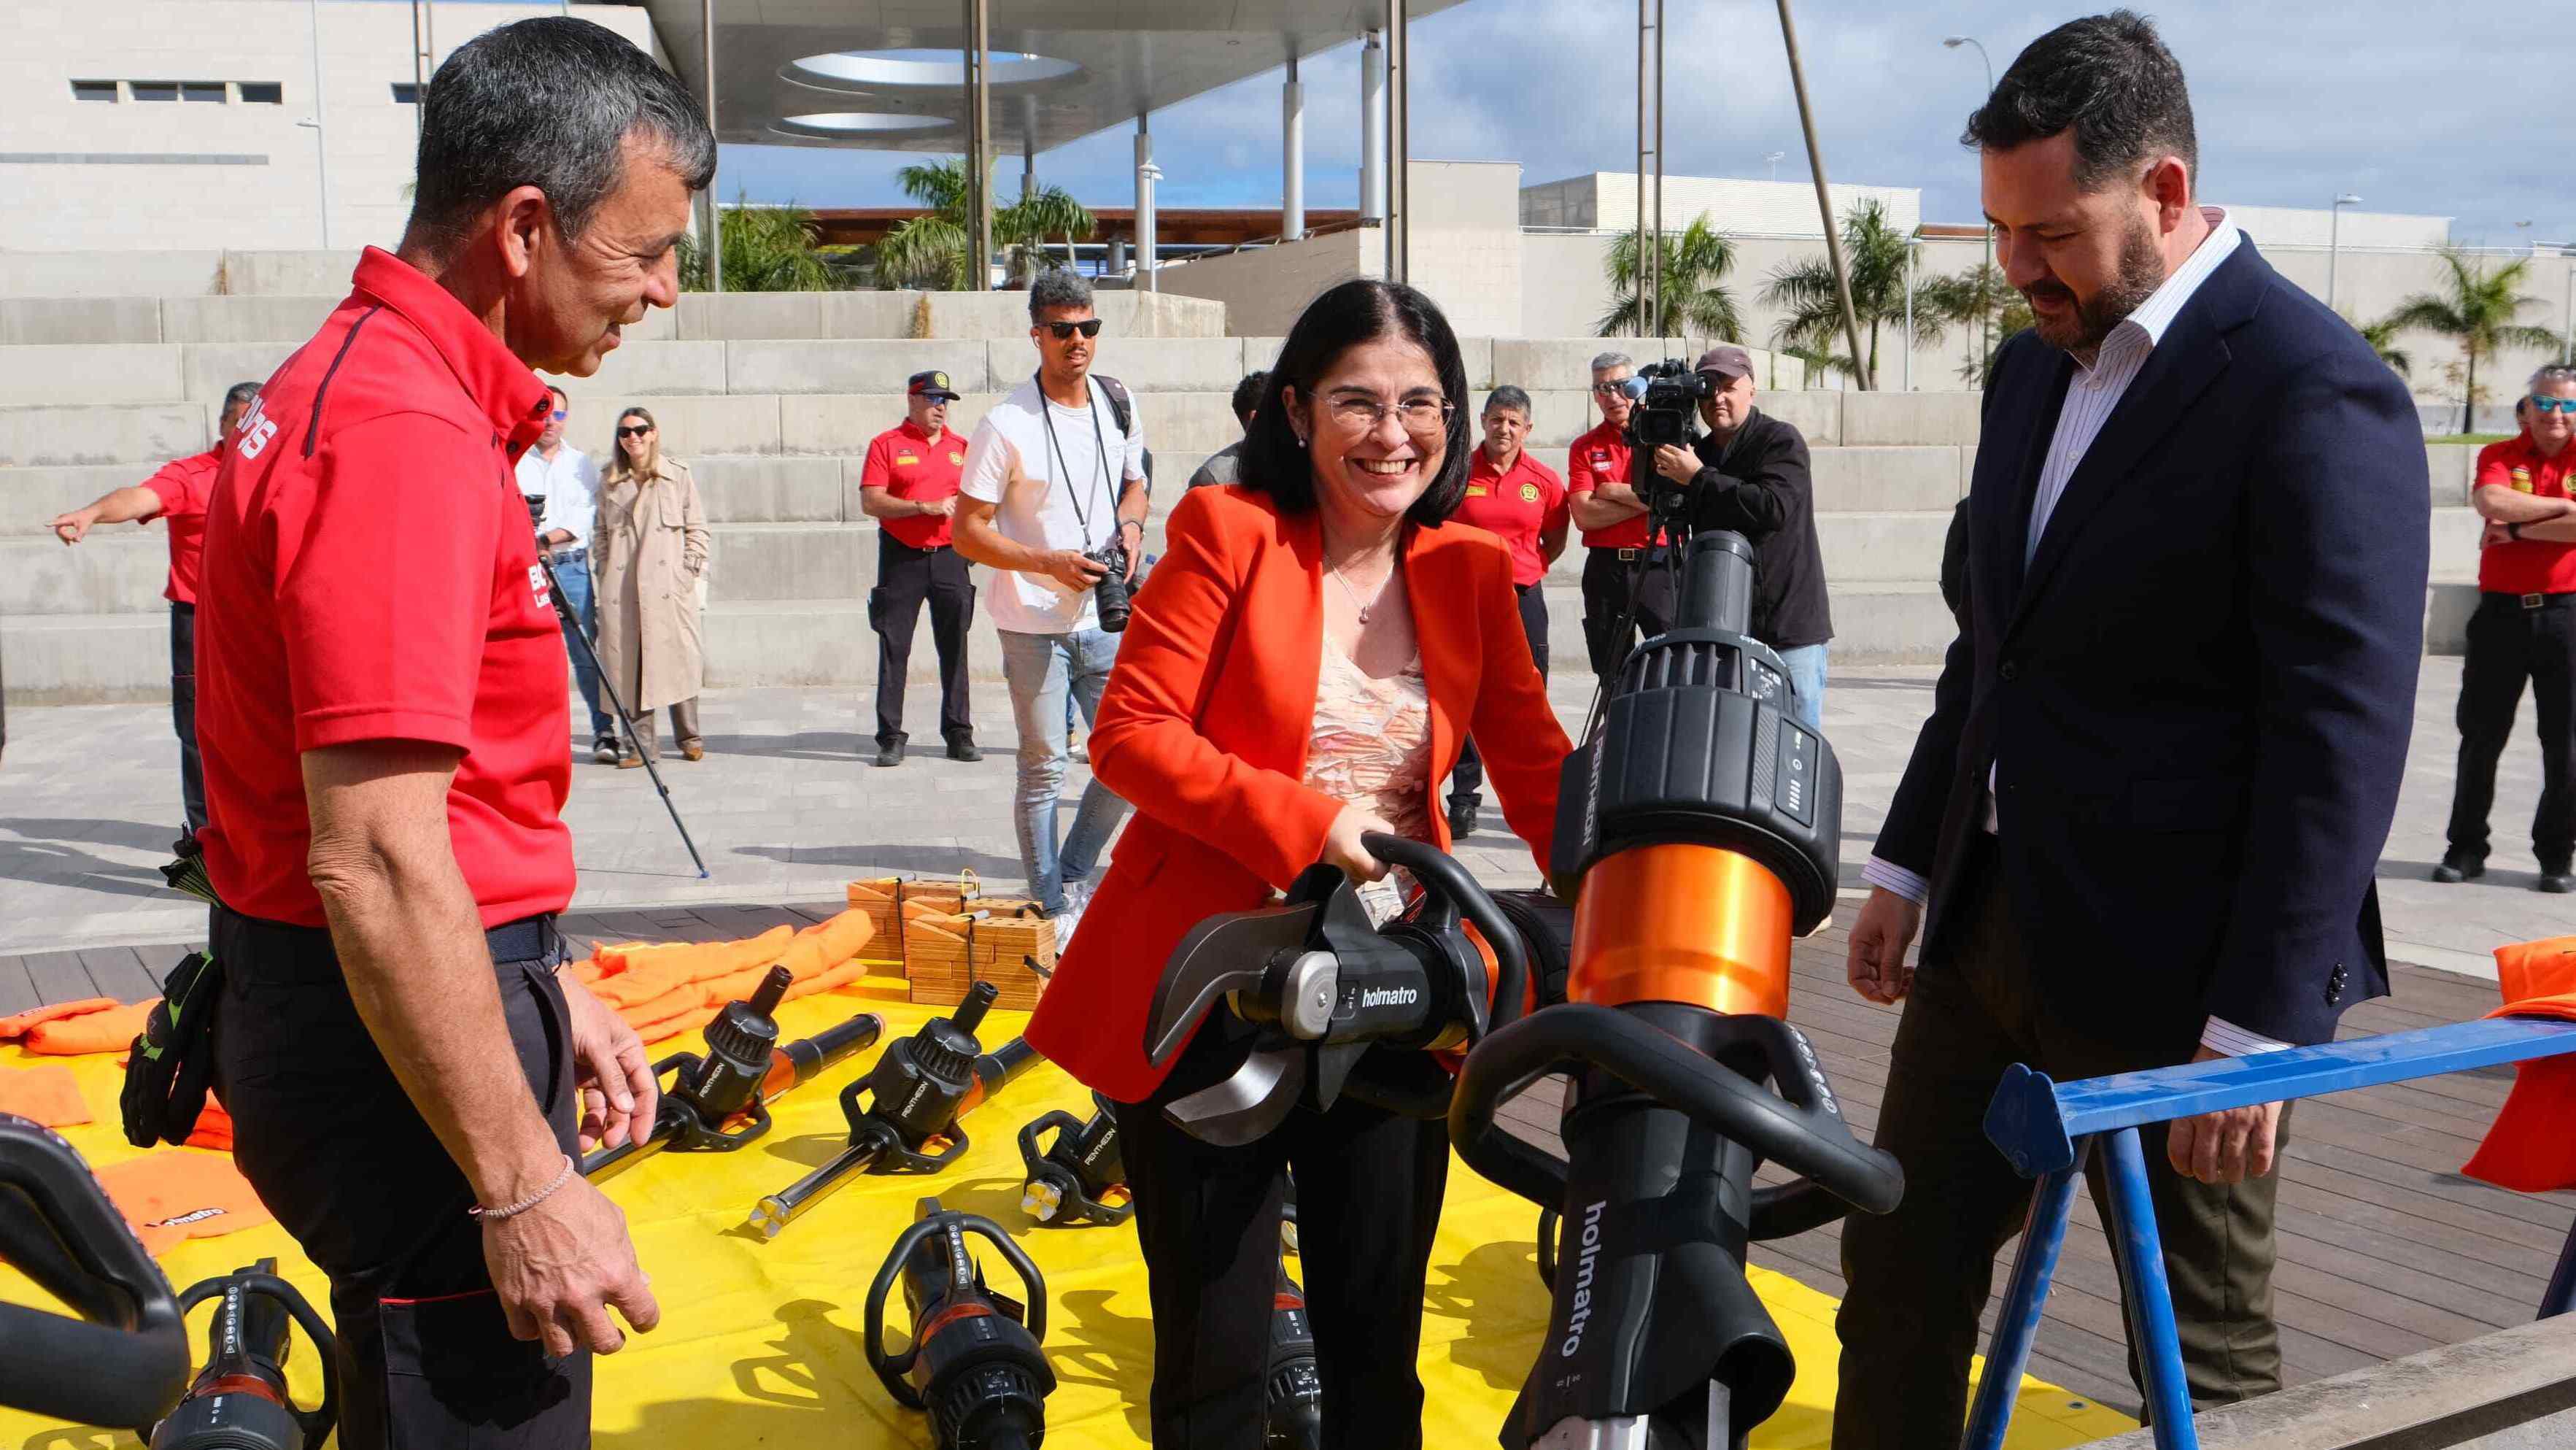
1065 921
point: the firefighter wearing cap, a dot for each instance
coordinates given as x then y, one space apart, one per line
1748 473
910 487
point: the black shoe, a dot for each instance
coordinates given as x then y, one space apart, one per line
964 750
2556 878
604 750
2459 866
890 754
1463 816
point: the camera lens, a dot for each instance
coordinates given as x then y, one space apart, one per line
1109 596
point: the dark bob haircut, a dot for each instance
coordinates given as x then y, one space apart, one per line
1361 310
2112 80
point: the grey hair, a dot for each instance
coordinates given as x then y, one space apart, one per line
2551 374
241 395
1058 287
1507 396
1604 362
548 103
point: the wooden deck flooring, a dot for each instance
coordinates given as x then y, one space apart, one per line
2384 1249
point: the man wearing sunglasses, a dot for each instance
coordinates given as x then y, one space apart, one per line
1617 585
2524 628
568 480
1054 475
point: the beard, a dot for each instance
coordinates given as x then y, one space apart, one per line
2140 272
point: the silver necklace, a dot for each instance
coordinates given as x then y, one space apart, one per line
1364 606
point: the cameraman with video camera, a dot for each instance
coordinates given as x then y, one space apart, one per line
1053 497
1748 473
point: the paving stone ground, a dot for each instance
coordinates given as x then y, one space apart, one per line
784 809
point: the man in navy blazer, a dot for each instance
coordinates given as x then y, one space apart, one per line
2165 749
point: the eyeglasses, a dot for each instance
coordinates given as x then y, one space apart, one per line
1607 389
1422 417
2553 405
634 432
557 415
1089 327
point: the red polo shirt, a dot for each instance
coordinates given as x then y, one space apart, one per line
183 485
1516 506
908 463
1599 457
2526 566
370 575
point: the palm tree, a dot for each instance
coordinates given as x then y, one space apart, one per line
1694 301
2382 337
766 249
1977 298
1820 361
2476 307
1876 254
930 251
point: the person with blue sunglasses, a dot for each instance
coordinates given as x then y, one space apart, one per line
2524 628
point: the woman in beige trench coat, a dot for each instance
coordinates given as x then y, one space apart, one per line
647 554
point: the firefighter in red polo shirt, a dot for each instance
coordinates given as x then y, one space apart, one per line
909 487
1617 536
384 706
176 494
1521 501
2524 628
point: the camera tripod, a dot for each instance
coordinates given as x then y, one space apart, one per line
572 626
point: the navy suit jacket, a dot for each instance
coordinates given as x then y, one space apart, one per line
2200 686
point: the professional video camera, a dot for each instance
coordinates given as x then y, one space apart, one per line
1667 395
1698 833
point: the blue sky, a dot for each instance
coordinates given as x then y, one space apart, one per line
2465 109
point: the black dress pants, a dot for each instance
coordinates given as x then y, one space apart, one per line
2508 644
1368 1201
1611 585
333 1146
1918 1278
183 712
905 577
1468 780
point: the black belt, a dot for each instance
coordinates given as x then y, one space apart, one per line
919 549
2533 601
1625 555
276 948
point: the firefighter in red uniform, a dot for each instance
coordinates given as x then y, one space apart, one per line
177 495
1617 535
384 705
1521 501
909 487
2524 628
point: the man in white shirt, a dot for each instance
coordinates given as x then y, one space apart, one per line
568 480
1055 474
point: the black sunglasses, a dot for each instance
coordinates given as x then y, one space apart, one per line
1063 330
635 432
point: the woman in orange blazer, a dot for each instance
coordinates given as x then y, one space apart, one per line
1311 652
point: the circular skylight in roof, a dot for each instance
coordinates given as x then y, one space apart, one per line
834 125
845 69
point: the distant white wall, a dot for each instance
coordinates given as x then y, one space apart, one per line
239 174
1466 249
1265 288
1607 201
2314 226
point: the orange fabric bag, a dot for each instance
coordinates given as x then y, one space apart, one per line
106 1029
16 1027
2531 1148
177 1194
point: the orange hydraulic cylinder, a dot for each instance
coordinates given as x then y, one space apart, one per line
1678 922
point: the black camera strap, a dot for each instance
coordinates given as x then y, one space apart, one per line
1063 469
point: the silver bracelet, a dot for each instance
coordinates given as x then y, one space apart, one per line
489 1216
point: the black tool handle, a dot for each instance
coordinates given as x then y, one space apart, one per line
265 1289
1448 881
813 1054
128 1363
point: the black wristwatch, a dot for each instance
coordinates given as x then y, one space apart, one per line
2513 531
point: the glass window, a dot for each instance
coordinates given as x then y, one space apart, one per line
202 91
156 90
94 91
263 93
406 94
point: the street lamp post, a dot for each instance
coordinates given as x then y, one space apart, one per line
321 147
1985 311
2334 243
1774 159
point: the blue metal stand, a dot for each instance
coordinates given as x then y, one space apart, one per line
2048 1129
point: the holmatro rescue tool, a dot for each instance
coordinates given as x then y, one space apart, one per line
1700 831
239 1401
719 1102
974 1364
123 1362
914 1096
1082 1178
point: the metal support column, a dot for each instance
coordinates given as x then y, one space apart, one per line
2043 1238
979 147
1147 173
419 74
715 188
1292 156
1824 201
321 137
1650 242
1373 127
1399 144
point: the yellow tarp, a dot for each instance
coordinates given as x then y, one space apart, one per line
759 1343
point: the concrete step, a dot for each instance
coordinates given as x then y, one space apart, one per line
148 434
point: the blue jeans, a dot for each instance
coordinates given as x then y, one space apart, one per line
573 577
1042 670
1807 675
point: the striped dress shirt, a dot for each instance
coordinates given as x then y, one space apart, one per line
2095 391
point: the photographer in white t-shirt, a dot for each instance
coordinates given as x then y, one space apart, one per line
1054 478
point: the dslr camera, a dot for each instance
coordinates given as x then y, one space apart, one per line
1111 592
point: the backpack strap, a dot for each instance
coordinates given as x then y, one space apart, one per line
1121 406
